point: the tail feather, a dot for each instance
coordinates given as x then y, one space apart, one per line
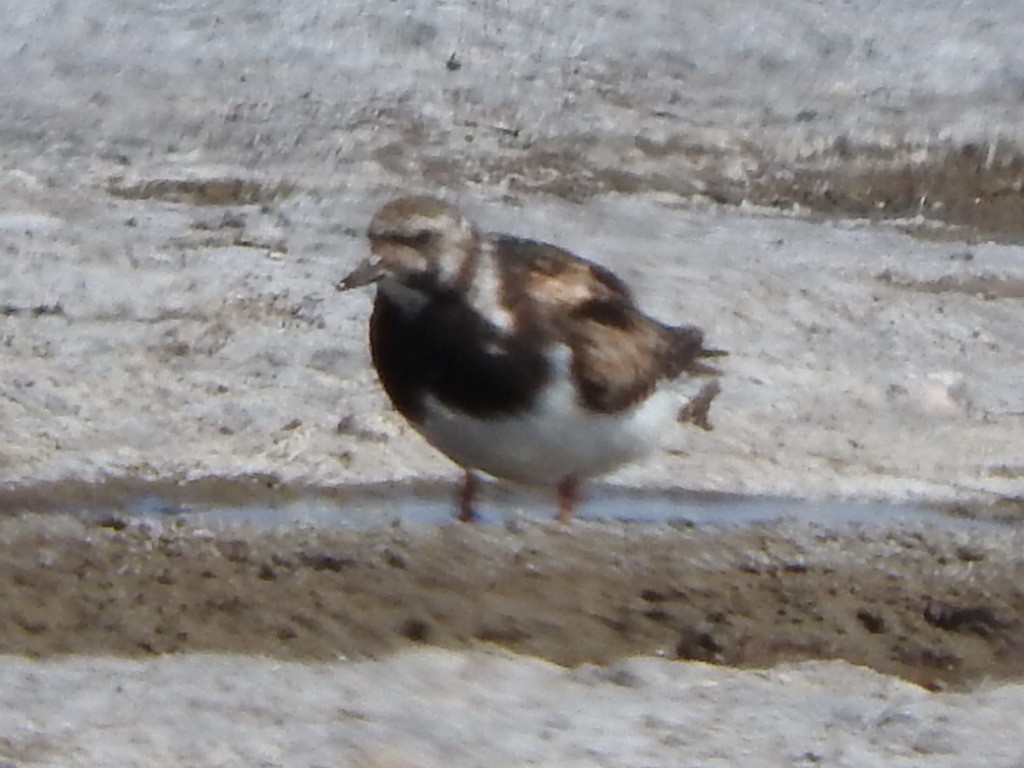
687 351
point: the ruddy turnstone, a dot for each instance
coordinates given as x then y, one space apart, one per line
517 358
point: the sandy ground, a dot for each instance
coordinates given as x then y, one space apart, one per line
832 191
939 608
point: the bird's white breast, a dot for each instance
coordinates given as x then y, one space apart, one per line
555 439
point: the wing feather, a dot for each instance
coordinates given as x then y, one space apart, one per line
619 354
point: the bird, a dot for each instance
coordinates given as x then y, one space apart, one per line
517 358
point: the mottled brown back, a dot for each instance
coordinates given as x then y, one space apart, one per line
619 354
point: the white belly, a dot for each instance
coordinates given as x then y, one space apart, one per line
555 440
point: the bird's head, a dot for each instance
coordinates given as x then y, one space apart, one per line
417 242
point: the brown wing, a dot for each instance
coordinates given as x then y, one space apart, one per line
541 280
619 353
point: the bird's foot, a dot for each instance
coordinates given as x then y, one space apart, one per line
568 496
464 502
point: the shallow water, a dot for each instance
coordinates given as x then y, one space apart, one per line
378 506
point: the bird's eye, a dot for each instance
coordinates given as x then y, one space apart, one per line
415 240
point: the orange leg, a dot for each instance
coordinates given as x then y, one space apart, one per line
465 500
568 496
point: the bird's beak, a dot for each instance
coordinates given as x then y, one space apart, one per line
368 271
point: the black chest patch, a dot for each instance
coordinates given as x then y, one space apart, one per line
448 351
